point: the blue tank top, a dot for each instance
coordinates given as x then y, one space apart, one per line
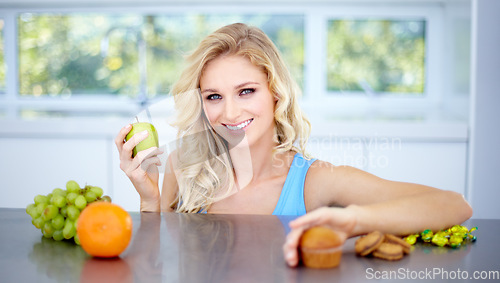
291 201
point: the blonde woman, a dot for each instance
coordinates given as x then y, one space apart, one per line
241 149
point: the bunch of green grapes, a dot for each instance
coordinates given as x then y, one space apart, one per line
56 214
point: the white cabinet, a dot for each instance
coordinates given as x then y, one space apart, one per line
441 165
32 166
37 157
124 192
438 164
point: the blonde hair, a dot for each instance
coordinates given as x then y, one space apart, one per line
205 174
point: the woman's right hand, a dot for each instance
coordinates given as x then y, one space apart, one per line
342 220
142 169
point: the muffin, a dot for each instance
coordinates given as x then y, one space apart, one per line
320 247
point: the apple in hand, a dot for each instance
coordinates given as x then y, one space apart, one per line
150 141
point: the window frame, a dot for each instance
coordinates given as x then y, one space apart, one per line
317 50
316 100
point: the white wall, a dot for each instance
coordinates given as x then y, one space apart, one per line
484 155
32 166
37 156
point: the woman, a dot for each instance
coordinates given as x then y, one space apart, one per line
239 122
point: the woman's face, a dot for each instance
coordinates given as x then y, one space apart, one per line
237 100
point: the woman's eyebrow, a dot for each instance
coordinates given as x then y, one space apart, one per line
245 84
236 87
208 90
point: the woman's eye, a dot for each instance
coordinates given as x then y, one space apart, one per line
213 97
247 91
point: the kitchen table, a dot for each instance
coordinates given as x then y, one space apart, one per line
171 247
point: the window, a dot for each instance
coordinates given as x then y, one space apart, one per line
371 60
128 54
376 56
344 55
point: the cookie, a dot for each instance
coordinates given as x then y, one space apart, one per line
389 238
389 251
367 244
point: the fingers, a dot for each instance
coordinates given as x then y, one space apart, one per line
319 216
125 148
121 136
338 219
128 146
290 247
298 226
335 218
146 164
147 155
145 159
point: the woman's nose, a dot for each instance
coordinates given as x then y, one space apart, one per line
232 110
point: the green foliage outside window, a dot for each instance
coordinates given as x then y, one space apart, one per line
60 54
379 56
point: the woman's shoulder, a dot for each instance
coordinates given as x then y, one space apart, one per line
324 169
324 182
319 170
318 179
324 172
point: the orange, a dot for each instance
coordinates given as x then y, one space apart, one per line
104 229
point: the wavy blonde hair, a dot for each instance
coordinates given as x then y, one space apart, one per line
204 171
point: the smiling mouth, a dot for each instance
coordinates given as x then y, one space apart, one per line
239 126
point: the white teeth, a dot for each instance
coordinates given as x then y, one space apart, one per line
240 126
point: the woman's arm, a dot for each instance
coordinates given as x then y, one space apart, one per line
378 204
142 169
366 203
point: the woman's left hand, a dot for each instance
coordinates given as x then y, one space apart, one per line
341 220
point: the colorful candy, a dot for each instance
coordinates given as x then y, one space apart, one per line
426 235
439 240
411 239
453 236
455 241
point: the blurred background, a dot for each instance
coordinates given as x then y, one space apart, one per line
406 90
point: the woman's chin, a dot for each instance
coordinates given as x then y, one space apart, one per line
234 138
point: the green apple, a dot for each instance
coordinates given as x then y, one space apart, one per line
150 141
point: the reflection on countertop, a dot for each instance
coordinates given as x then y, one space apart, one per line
172 247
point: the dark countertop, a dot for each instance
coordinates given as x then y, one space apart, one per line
172 247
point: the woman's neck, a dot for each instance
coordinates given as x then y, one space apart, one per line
251 163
